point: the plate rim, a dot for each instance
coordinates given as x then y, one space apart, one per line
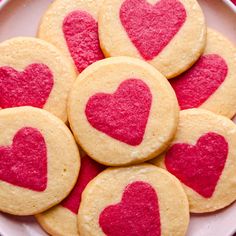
3 3
229 3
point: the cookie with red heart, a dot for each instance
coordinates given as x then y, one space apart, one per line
202 156
62 219
122 111
210 83
138 200
39 160
169 34
34 73
71 25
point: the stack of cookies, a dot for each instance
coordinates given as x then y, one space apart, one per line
76 128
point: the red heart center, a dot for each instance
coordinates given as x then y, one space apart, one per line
89 169
200 166
136 215
124 114
28 88
152 27
24 163
81 34
196 85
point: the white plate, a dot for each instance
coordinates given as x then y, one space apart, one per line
21 17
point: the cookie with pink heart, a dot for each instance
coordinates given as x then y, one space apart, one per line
39 160
72 26
202 156
34 73
210 83
122 111
62 219
169 34
137 200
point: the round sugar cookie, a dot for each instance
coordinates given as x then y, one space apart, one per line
138 200
62 219
39 160
169 34
211 82
71 25
203 157
34 73
122 111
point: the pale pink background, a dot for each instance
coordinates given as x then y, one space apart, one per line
21 17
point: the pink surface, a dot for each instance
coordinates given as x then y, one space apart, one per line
24 163
124 114
89 169
195 86
199 166
81 34
136 215
151 27
28 88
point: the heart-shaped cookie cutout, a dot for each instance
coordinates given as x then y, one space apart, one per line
124 114
24 163
88 170
199 166
31 87
196 85
151 27
81 33
137 213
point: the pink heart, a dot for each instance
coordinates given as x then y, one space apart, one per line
28 88
24 164
81 34
152 27
88 170
196 85
234 2
124 114
136 215
200 166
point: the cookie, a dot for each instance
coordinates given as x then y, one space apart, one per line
137 200
71 25
34 73
62 219
39 160
211 82
169 34
122 111
202 156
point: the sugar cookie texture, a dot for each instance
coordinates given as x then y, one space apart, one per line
36 153
140 200
72 26
62 219
169 34
122 111
34 73
211 82
202 156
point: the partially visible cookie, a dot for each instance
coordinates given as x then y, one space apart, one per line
34 73
122 111
169 34
138 200
62 219
39 160
202 156
71 25
211 82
